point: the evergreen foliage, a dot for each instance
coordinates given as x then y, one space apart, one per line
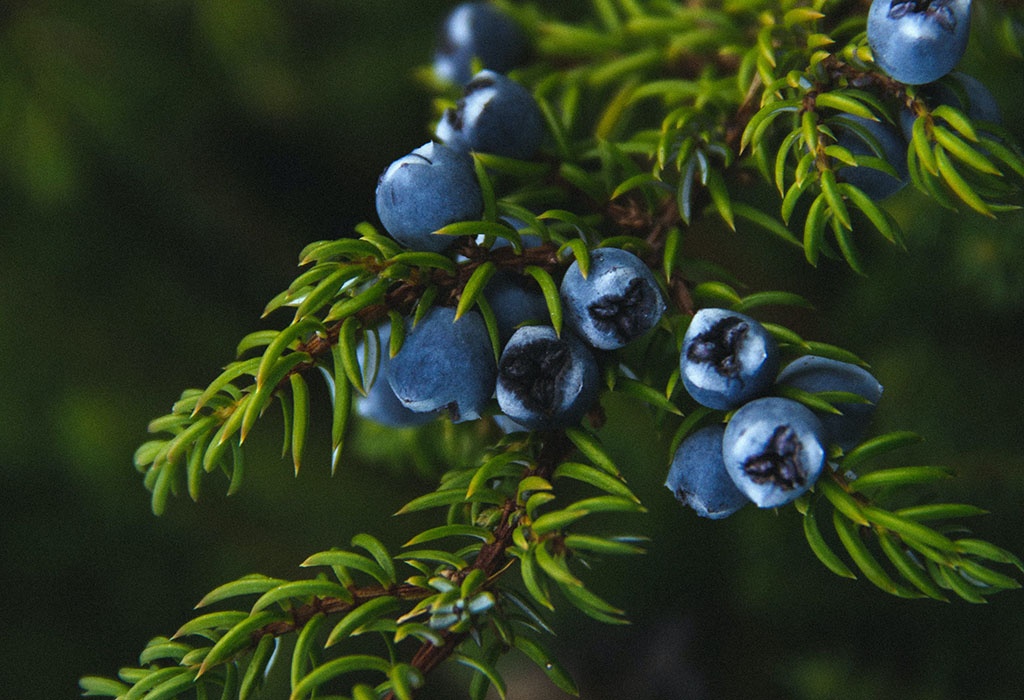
659 115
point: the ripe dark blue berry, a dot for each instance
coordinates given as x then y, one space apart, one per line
514 302
480 30
812 373
617 302
445 365
545 381
918 41
380 403
426 190
876 184
495 115
727 358
774 450
698 477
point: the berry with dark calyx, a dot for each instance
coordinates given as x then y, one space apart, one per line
959 90
918 41
812 373
774 450
426 190
380 403
616 303
727 359
876 184
495 115
514 303
544 381
480 30
445 365
698 477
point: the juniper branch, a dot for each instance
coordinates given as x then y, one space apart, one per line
304 613
492 559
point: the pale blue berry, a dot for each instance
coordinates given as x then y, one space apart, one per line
495 115
477 30
426 190
544 381
698 477
918 41
617 302
774 450
380 403
727 358
445 365
876 184
812 373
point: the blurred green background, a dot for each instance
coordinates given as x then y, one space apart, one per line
161 165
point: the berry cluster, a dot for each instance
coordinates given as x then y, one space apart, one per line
544 379
917 43
773 448
524 337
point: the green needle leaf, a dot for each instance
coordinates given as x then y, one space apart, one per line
379 553
474 287
769 223
300 418
900 476
236 639
963 152
550 292
820 548
364 614
304 646
540 656
592 450
957 183
814 228
595 477
866 561
487 670
337 557
335 668
253 678
908 569
281 342
247 585
877 446
301 589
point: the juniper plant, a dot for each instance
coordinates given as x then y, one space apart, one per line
660 117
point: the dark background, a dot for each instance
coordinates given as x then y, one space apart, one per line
161 165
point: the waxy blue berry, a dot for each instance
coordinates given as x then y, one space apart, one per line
698 477
617 302
380 403
544 381
445 365
812 373
918 41
727 359
495 115
876 184
774 450
426 190
480 30
514 302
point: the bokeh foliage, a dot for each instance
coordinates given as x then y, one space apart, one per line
162 166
